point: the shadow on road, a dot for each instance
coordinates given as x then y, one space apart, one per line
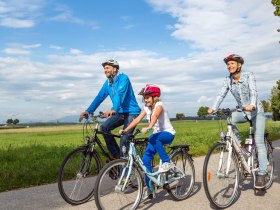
163 195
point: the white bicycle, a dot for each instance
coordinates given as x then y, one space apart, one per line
227 161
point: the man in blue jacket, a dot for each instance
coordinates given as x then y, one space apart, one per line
125 107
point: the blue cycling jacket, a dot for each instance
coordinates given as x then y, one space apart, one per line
121 94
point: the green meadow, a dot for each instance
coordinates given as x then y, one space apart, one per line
32 156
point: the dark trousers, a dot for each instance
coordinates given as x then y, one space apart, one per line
110 124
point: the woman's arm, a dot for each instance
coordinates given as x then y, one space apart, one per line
253 93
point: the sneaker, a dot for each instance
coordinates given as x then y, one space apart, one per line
166 167
147 193
260 182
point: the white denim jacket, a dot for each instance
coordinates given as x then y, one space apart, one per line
245 92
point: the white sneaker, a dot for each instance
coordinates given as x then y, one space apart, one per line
165 167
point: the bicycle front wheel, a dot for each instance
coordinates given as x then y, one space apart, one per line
77 174
182 187
116 188
220 176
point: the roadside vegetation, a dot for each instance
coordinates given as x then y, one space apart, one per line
32 156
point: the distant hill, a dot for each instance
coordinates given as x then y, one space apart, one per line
66 119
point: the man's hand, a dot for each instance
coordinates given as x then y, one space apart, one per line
249 108
109 113
82 115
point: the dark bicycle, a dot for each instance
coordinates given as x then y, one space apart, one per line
78 171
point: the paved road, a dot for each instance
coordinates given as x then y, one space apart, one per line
47 197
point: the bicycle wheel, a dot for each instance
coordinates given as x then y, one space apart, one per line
77 174
110 192
270 165
181 188
220 187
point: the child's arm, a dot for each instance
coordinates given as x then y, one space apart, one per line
158 112
135 121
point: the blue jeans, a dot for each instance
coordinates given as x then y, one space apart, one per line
110 124
259 127
155 145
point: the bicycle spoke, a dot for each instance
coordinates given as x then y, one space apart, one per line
77 186
220 177
123 191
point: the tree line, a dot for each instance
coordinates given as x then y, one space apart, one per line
11 121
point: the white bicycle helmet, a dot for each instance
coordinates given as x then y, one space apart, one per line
111 62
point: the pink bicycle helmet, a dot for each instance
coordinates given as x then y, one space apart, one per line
234 57
151 90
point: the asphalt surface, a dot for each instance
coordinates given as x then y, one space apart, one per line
47 197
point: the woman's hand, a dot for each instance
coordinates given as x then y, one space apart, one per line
249 108
210 111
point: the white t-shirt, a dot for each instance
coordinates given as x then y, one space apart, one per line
163 122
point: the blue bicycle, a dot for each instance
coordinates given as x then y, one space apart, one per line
125 189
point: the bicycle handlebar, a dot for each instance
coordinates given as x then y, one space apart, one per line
228 111
94 117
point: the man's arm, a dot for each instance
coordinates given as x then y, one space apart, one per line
101 96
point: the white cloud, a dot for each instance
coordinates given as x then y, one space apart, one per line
56 47
204 99
16 23
67 83
16 51
31 46
75 51
65 14
20 13
220 25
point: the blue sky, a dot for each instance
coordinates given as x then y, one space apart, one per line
51 51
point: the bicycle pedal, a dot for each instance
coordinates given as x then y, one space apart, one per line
167 187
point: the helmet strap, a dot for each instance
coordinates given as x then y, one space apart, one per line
113 74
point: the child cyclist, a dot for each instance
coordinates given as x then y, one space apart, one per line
163 131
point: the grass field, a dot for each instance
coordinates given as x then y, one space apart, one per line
32 156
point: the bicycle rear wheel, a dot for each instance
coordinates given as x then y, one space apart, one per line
110 192
77 174
270 165
220 188
181 188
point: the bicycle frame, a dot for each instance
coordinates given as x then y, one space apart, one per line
95 140
233 144
157 177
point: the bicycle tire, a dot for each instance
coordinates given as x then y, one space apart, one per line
76 175
270 166
181 188
212 179
107 191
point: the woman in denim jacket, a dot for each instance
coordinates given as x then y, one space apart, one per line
242 85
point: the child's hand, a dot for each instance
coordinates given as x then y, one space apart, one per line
145 130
